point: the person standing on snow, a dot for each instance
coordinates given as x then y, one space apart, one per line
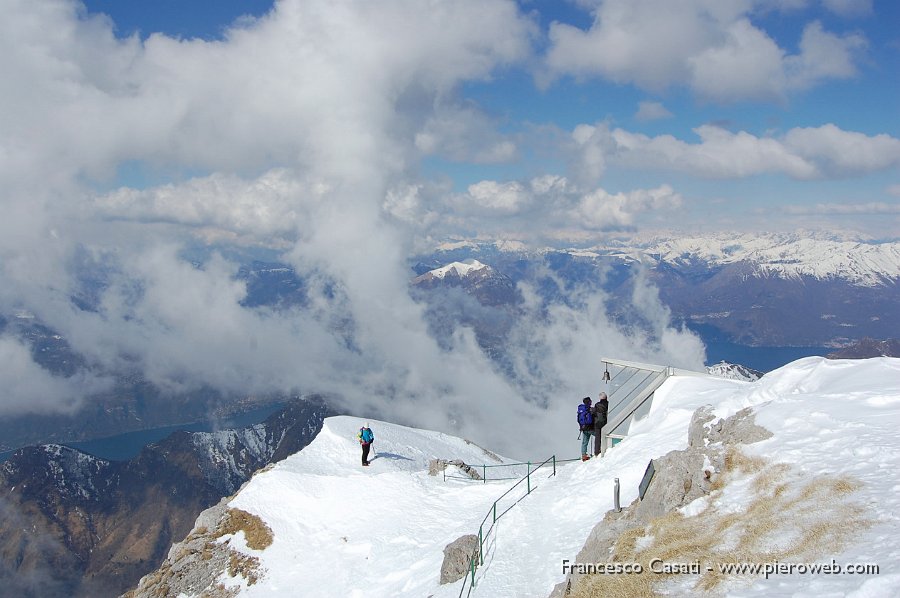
600 410
366 438
586 425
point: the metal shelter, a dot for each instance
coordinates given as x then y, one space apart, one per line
629 387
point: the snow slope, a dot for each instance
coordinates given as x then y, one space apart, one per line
789 256
460 269
342 530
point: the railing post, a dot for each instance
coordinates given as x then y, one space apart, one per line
554 464
484 473
616 496
472 565
528 483
495 511
481 544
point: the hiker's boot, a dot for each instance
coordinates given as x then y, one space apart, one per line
585 457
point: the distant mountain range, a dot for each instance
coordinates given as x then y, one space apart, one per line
867 348
77 525
767 291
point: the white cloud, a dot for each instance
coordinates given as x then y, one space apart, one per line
547 207
844 153
273 204
713 47
297 130
801 153
848 209
26 387
849 8
747 63
651 111
462 133
823 56
509 198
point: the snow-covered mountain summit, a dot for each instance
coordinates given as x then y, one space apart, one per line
785 256
456 270
338 529
777 255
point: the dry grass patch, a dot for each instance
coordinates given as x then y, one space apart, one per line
245 566
258 535
788 519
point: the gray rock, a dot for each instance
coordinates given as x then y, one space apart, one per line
698 430
436 466
681 477
457 558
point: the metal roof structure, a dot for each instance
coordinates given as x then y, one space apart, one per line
629 389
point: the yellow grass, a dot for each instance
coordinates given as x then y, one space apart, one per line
813 514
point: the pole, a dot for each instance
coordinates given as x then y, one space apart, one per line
484 474
616 496
481 544
529 478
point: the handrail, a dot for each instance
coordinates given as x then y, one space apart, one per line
484 467
477 558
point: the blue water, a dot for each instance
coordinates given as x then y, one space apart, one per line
126 446
764 359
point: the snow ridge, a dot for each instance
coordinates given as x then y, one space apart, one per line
343 529
459 269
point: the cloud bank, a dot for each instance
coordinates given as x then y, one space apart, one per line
712 47
296 132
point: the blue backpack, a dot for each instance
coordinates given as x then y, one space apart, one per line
585 417
365 434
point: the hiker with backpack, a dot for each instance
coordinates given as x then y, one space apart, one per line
366 437
599 412
586 425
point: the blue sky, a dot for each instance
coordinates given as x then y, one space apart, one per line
343 137
534 100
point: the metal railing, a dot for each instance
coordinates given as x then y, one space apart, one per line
494 515
524 468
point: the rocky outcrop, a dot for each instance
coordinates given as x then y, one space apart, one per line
680 478
194 566
867 348
436 466
457 558
76 525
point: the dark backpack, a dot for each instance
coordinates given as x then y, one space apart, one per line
585 418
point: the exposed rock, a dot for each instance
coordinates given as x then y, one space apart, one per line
75 525
195 565
681 477
457 558
867 348
436 466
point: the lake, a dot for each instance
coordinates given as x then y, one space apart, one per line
122 447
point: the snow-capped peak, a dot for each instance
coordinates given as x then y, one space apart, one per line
461 269
785 256
733 371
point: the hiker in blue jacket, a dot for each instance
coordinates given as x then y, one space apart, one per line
586 425
366 438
